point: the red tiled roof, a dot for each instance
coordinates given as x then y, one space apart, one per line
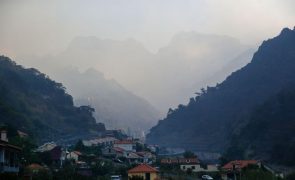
143 153
35 166
239 164
117 149
143 168
124 142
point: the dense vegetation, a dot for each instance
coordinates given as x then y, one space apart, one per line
216 113
33 103
270 133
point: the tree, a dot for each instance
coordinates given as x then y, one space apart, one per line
189 171
79 146
27 145
189 154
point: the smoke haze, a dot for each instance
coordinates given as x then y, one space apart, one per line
163 51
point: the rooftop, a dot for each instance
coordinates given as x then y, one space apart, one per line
5 144
239 164
124 142
78 153
180 161
143 168
117 149
35 166
46 147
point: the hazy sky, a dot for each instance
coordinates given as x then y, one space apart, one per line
43 27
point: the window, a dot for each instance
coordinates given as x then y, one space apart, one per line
193 167
183 167
147 176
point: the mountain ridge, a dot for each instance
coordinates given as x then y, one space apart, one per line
209 119
115 106
32 102
164 78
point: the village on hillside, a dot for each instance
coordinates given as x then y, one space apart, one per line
116 156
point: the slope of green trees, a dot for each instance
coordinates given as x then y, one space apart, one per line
216 113
32 102
270 133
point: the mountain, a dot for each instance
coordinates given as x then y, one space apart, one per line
35 104
115 106
269 133
185 63
237 63
164 78
209 120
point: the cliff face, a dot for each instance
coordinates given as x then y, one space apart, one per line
209 120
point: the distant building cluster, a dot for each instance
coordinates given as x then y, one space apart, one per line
192 164
119 151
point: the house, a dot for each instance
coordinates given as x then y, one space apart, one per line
180 161
199 168
274 170
56 155
229 170
46 147
132 157
9 155
105 142
192 164
22 134
147 157
109 152
35 168
113 152
119 152
51 153
145 171
74 155
239 164
127 145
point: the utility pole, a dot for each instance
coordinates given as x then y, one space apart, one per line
234 171
240 174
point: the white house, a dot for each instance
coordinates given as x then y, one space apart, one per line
127 145
106 142
74 155
198 168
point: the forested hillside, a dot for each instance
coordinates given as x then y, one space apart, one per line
35 104
216 113
270 133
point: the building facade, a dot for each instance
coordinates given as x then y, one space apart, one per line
145 171
9 155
